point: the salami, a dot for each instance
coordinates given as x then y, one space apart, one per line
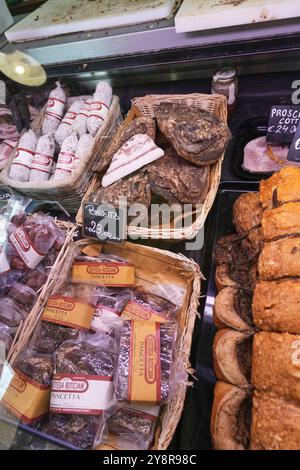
22 162
54 109
43 158
6 148
83 150
99 106
64 130
66 157
80 123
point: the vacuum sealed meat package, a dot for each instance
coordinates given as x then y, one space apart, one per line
10 313
86 365
147 306
103 270
110 305
54 109
153 385
28 393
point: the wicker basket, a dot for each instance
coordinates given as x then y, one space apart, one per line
167 262
68 191
217 105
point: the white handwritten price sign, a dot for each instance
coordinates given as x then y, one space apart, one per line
283 122
104 222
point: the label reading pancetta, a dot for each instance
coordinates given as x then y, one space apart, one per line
136 311
81 394
103 274
68 312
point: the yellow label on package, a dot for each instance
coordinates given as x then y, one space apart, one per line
103 273
26 399
69 312
136 311
144 362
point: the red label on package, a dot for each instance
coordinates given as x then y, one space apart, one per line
25 250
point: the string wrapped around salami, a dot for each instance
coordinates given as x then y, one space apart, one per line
43 158
80 122
6 148
21 165
98 108
54 109
66 157
64 130
83 150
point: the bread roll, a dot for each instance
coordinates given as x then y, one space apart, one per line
266 189
275 423
276 364
230 418
233 309
276 305
232 352
247 212
282 221
288 185
280 258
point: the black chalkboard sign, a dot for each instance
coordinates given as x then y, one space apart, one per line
104 222
283 122
294 150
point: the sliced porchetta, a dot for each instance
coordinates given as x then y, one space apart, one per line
261 157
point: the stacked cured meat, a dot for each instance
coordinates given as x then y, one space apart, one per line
167 156
256 350
66 138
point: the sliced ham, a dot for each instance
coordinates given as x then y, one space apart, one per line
133 155
261 157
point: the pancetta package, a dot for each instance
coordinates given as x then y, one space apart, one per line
54 109
43 158
85 366
21 165
145 359
110 305
99 107
64 130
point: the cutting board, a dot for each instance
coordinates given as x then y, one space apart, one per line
198 15
57 17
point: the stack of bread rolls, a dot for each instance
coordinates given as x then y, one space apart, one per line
257 310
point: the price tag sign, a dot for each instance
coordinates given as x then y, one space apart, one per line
104 222
5 195
294 150
283 122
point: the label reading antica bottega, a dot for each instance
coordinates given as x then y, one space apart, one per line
81 394
144 363
26 399
25 250
68 312
136 311
103 273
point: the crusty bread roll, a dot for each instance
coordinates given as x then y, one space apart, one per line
276 364
232 309
230 417
280 258
281 221
275 423
247 212
276 305
288 185
232 351
266 189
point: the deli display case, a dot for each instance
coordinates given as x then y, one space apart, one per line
148 65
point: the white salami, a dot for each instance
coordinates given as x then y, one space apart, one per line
6 148
54 109
22 162
65 128
80 123
83 150
43 158
66 157
99 106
